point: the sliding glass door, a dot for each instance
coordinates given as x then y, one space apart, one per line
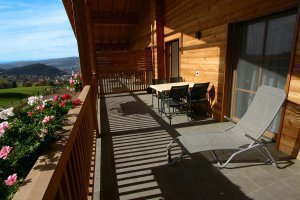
262 57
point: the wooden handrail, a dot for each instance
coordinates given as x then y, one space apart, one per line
119 82
63 172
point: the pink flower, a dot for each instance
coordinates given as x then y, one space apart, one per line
66 96
5 151
3 126
72 81
56 97
11 180
40 107
62 104
76 102
30 114
76 76
48 119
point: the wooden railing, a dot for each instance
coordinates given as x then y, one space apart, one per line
63 172
126 71
125 81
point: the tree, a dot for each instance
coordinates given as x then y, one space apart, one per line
14 84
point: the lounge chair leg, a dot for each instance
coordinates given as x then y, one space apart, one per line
169 155
263 154
221 165
152 97
216 158
270 156
266 155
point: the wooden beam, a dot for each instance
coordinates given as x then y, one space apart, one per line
159 17
91 47
116 46
114 18
69 11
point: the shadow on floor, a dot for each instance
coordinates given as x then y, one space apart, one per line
195 180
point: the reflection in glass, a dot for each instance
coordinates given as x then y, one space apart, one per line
247 74
242 102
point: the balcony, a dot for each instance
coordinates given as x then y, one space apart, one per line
123 45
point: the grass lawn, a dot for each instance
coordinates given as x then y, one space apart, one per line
11 95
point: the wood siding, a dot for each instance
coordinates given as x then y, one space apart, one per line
289 138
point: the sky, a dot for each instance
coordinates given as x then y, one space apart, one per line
35 30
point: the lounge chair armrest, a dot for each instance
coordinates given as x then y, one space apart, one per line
229 119
230 127
252 138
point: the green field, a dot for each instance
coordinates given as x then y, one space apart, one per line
11 95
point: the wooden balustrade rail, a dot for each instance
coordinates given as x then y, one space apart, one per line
118 81
63 172
124 71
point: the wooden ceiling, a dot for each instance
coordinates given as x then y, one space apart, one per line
114 22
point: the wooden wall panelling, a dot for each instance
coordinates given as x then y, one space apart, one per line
289 136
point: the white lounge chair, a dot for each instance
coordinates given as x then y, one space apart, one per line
244 136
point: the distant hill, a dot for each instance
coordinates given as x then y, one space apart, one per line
65 64
35 69
2 70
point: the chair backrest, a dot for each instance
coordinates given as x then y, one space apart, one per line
178 92
159 81
263 109
176 79
199 90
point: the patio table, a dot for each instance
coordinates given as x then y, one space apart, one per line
166 87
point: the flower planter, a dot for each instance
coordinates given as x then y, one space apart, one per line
34 131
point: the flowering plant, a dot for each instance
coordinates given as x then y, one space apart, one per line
24 135
75 83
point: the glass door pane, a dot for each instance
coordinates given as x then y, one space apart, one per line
263 50
249 40
279 41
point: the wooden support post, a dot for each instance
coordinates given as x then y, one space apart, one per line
79 11
94 103
159 10
92 52
82 21
157 29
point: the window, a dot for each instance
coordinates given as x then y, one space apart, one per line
262 57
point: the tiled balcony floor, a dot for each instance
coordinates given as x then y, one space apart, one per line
132 164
